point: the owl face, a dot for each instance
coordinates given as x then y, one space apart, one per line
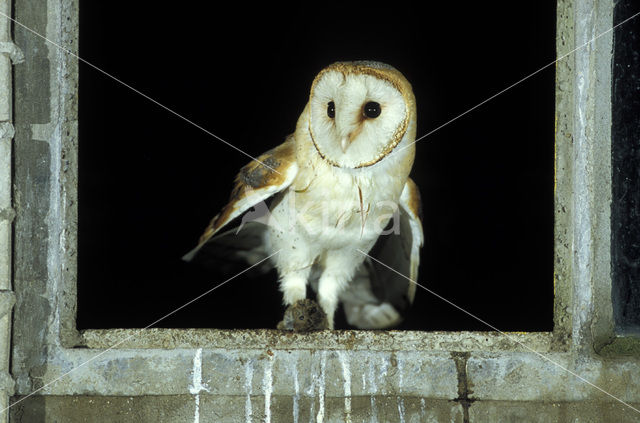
359 112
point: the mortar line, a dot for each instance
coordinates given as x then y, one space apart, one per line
146 327
65 50
517 83
511 338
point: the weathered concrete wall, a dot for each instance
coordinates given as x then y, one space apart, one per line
223 409
9 54
83 409
31 194
214 375
319 377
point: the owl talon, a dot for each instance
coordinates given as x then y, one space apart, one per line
304 316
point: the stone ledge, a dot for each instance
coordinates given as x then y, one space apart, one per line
352 340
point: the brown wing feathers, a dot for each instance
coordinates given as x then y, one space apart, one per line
269 170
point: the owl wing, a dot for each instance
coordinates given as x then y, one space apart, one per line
378 297
273 172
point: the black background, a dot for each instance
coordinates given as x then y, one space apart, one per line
150 182
625 138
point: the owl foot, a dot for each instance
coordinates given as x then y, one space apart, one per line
304 316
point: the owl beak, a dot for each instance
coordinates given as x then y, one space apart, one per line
345 142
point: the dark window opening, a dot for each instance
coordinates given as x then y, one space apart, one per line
149 182
625 139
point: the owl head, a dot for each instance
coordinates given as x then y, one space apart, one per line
359 112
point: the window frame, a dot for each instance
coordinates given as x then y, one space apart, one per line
162 361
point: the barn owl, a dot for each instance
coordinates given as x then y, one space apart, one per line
338 193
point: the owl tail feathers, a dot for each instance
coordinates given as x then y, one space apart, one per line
232 250
372 316
364 307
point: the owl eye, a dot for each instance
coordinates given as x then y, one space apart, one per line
331 109
372 109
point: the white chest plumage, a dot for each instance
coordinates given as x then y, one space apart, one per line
331 208
336 211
